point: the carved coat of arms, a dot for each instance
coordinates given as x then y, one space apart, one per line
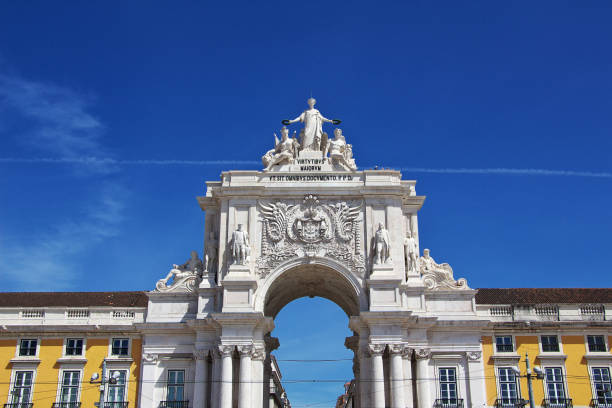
311 228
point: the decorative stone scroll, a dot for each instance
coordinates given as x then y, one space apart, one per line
184 277
474 355
149 358
311 228
438 276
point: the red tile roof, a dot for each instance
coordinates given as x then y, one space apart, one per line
73 299
500 296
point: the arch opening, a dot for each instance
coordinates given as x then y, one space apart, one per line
311 280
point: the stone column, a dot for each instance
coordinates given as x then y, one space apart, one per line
215 382
244 392
200 387
365 386
148 374
408 391
423 378
225 395
378 375
257 386
397 376
476 382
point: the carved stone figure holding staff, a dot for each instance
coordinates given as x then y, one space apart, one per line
382 245
241 249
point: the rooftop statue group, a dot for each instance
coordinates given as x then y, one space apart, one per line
312 138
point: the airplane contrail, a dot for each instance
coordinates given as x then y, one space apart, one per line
173 162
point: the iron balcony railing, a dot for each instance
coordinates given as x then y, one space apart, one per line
19 405
602 402
448 403
510 403
116 404
67 405
558 403
174 404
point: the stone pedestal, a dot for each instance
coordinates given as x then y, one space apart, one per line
239 287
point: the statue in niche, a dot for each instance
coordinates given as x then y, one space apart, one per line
284 150
312 136
212 248
411 253
382 245
241 249
182 275
340 152
438 276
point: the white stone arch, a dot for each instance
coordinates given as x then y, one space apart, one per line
302 277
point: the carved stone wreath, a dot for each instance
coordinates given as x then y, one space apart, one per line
311 228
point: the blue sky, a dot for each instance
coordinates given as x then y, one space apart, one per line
112 115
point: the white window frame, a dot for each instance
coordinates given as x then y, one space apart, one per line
586 343
18 356
82 355
545 380
442 366
109 372
119 357
504 335
559 340
9 397
185 373
593 365
60 382
516 380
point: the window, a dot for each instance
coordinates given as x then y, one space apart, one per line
550 343
27 347
503 344
555 389
596 343
448 385
116 392
120 347
74 347
22 388
69 392
508 393
176 385
602 385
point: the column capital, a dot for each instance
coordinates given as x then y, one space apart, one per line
422 353
200 354
259 353
150 358
376 349
398 348
225 350
245 350
473 355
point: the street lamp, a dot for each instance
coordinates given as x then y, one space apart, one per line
539 374
113 380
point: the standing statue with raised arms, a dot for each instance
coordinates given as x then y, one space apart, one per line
312 134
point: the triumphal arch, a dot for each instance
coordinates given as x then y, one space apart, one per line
311 223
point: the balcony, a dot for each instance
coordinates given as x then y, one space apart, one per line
116 404
174 404
602 402
449 403
19 405
558 403
510 402
67 405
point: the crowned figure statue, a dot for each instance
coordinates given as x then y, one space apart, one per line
312 135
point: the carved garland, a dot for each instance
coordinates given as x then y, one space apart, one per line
311 228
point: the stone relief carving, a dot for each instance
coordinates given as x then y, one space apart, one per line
473 355
241 249
422 353
382 245
184 277
376 349
210 257
311 228
200 354
150 358
259 353
411 254
246 350
225 350
438 276
340 152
